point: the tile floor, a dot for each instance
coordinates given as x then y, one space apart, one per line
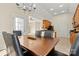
63 46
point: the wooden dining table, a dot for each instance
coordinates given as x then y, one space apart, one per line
39 46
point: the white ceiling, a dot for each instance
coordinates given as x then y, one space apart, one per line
65 8
56 9
43 9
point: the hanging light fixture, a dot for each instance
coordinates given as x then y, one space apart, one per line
26 6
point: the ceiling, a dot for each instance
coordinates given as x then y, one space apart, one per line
49 10
55 8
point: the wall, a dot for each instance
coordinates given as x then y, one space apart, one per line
62 24
7 14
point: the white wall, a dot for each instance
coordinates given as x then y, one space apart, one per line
7 14
62 24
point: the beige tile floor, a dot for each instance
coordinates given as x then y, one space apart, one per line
3 53
63 46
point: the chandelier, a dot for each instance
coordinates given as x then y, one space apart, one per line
30 7
27 7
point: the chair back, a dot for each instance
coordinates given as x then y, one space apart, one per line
17 33
12 44
38 33
74 51
9 44
48 34
44 33
17 45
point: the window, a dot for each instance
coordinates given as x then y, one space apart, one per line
19 24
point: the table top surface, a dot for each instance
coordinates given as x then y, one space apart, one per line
39 46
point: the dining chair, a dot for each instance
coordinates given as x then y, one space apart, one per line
38 33
13 45
17 32
9 44
19 49
46 33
